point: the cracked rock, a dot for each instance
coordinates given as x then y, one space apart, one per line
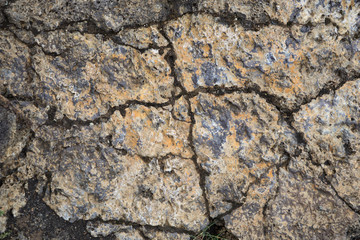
109 15
237 138
148 132
331 126
292 68
142 38
248 221
91 75
184 119
343 14
305 208
102 182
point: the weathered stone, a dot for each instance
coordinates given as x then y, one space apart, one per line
181 119
142 38
344 14
108 15
250 13
180 110
130 235
305 208
237 138
331 126
13 137
158 235
249 221
122 231
92 75
37 115
14 61
90 179
12 199
211 53
98 229
148 132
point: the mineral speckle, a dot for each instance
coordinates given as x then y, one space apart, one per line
179 120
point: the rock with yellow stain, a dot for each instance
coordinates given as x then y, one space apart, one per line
180 110
148 132
213 53
237 138
91 179
91 75
331 126
115 139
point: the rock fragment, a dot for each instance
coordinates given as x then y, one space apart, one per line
306 208
331 126
149 132
106 15
292 69
87 75
14 61
237 139
90 179
142 38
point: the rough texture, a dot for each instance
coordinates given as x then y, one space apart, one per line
237 138
330 126
179 120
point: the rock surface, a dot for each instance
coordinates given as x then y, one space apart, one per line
180 119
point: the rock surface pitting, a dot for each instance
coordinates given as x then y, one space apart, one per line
179 119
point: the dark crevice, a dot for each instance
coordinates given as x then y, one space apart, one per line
68 123
116 39
6 102
47 188
327 89
325 180
202 173
171 58
215 230
25 149
142 234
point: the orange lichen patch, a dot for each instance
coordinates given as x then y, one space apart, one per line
210 53
84 86
199 53
149 132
